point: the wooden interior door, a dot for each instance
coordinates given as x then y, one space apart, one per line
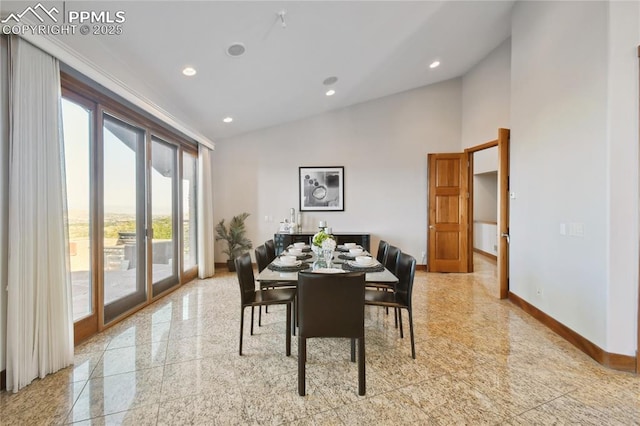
448 233
503 219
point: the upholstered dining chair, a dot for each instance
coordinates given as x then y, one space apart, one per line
388 256
262 259
401 298
270 246
250 297
391 260
331 305
381 256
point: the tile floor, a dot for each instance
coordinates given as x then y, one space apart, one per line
479 361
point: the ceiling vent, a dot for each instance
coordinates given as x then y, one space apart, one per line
236 49
330 80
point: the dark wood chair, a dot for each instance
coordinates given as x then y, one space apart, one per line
401 297
391 259
262 259
381 256
250 297
270 246
331 305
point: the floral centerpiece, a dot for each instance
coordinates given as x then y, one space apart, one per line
323 245
322 240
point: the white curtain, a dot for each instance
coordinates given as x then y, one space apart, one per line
205 214
39 311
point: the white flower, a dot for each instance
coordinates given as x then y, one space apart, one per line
329 244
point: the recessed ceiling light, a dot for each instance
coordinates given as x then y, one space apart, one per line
434 64
189 71
330 92
227 119
330 80
236 49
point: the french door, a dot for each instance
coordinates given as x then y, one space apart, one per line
132 218
164 215
123 216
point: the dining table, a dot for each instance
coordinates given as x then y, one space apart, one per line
276 273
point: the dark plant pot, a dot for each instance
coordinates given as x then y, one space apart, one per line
231 265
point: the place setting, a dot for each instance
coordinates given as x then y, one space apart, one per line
298 253
352 253
348 246
288 264
303 247
363 264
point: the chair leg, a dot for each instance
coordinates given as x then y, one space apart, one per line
295 315
353 349
260 316
288 333
395 314
241 327
252 320
413 345
400 319
302 359
362 381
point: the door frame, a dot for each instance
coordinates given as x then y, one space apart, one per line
638 325
503 208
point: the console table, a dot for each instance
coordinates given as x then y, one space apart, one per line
282 241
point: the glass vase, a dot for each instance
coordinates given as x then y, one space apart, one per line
328 257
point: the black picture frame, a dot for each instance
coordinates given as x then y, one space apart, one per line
321 189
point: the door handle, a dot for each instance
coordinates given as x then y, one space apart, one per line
431 226
505 235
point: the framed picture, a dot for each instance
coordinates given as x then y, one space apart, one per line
321 188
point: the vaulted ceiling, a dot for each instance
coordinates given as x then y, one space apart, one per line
374 48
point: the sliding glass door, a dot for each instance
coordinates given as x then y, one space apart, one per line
77 127
164 215
189 212
131 194
123 217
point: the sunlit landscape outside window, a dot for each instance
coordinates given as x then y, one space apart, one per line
163 173
189 163
121 145
76 126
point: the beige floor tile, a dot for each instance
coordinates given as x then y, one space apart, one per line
142 416
103 396
479 361
131 358
392 408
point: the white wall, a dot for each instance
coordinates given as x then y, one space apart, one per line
485 237
624 39
563 161
4 196
485 108
382 144
486 99
485 197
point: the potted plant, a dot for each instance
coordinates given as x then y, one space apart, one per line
237 242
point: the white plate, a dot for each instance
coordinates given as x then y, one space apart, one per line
373 262
277 262
329 271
